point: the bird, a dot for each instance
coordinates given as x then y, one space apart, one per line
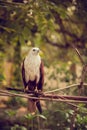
33 77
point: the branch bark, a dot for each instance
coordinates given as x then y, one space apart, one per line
42 96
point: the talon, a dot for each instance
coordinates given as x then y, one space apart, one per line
26 89
36 91
39 91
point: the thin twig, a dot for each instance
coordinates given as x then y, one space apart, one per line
76 99
60 89
48 99
16 89
78 53
6 3
51 91
83 75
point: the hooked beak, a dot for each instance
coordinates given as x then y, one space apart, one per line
38 51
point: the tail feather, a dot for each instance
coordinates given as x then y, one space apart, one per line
31 106
39 106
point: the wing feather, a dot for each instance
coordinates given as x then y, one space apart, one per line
41 81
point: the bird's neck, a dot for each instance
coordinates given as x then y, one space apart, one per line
33 58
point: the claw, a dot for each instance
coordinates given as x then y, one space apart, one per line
39 92
26 89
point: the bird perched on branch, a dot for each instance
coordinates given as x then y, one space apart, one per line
33 76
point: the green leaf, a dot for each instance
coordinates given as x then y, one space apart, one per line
10 113
42 116
71 112
17 127
29 116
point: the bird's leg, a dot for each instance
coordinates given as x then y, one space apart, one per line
36 91
40 92
26 89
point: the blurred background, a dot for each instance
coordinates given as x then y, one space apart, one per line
55 26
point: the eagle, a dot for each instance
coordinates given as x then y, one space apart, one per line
33 77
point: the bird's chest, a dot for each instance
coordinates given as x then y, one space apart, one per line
32 69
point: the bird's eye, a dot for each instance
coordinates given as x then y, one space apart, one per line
33 49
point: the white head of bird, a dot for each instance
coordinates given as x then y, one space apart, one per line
34 51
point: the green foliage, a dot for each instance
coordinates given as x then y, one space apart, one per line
15 102
1 77
10 113
18 127
81 118
53 26
31 117
41 116
59 117
17 64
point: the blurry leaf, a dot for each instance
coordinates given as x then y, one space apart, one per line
21 39
17 127
26 33
42 116
10 113
62 11
29 116
38 40
7 29
71 112
1 77
67 115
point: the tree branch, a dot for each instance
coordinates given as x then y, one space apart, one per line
31 95
67 87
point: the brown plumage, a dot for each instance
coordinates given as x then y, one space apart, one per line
33 76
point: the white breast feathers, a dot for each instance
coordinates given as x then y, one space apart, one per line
32 67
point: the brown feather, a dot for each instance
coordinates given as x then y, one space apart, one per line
41 81
31 106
